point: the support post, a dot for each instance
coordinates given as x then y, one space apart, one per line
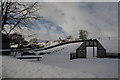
85 49
97 49
70 56
93 49
38 59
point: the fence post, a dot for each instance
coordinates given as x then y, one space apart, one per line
70 56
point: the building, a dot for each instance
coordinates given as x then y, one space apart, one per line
5 41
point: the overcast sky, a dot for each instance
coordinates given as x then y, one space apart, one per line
100 19
66 0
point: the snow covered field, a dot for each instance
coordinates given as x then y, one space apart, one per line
0 66
59 65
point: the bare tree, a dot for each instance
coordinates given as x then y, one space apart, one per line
17 14
83 34
69 37
17 38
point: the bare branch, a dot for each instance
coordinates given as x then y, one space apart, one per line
16 14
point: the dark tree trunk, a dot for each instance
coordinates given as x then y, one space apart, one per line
5 42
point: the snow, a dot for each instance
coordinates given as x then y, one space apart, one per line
14 46
67 48
59 65
0 67
13 68
110 45
104 67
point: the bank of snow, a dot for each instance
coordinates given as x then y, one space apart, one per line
13 68
0 66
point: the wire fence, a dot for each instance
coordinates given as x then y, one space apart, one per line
107 38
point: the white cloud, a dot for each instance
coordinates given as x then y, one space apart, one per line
66 0
53 28
99 19
74 16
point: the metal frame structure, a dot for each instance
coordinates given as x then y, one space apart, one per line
81 51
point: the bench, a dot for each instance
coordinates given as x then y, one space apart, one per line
23 53
27 53
42 53
33 57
